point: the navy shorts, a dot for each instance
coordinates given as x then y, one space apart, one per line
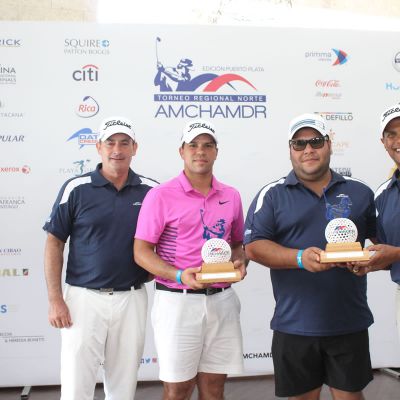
305 363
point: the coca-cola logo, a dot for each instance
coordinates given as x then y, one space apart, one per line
328 84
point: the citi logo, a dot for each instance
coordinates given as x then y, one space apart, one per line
88 73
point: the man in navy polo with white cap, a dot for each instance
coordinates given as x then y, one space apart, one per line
387 200
321 317
102 313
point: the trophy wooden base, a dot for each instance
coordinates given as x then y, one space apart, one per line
218 273
344 252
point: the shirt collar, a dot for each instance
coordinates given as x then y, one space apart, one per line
395 179
292 180
187 187
99 180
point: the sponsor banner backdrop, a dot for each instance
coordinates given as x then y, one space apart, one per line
57 81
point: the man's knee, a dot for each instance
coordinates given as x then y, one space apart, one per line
211 386
178 390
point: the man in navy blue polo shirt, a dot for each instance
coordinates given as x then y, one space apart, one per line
321 317
103 310
387 200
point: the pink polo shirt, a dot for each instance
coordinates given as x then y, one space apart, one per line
178 220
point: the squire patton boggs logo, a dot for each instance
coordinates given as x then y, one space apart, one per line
86 46
335 57
185 93
88 73
88 107
85 137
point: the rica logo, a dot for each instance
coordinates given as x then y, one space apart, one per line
88 107
88 73
179 78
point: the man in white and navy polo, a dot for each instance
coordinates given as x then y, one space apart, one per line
102 313
321 317
387 200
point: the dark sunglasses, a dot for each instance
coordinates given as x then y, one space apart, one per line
315 143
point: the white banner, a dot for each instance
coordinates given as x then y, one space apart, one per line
58 80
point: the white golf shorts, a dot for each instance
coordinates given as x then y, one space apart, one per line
197 333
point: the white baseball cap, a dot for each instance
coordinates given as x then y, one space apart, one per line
388 115
112 125
308 120
196 128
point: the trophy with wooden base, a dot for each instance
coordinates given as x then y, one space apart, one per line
341 235
217 267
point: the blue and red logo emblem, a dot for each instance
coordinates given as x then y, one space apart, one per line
182 93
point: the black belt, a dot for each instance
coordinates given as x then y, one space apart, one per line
135 286
207 291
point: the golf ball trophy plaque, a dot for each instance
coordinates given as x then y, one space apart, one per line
341 235
217 267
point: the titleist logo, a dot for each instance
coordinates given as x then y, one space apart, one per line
200 125
391 111
116 122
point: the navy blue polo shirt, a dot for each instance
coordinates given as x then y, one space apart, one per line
325 303
387 201
100 222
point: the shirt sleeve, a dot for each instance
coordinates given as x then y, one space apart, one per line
60 221
371 218
380 232
260 220
238 222
150 223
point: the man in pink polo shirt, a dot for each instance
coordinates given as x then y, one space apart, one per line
196 326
